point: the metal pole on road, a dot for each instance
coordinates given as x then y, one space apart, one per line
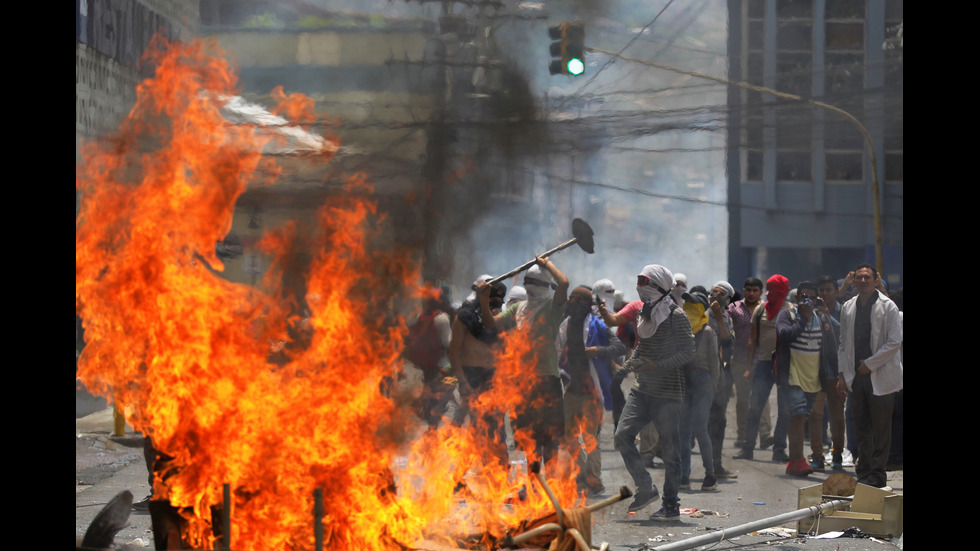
721 535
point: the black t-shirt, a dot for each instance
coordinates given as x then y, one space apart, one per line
862 329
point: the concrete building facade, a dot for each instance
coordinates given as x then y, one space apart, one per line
801 177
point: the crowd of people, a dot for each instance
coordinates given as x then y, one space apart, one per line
832 348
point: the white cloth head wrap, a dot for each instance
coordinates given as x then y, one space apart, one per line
729 290
651 296
537 295
604 290
679 288
517 294
620 299
484 277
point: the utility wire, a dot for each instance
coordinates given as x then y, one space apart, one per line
628 44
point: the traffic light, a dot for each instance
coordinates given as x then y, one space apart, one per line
567 49
575 48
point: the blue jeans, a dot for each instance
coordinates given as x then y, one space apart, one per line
763 380
800 402
698 395
641 409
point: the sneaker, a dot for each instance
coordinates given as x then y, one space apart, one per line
724 473
876 484
142 505
765 442
710 483
666 513
779 456
643 498
837 462
685 483
800 467
744 454
817 465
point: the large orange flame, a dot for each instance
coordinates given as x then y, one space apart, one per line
187 353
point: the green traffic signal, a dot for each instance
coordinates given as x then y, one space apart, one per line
574 42
569 48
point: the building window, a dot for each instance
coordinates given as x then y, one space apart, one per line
845 166
893 96
753 170
845 9
794 73
793 166
844 88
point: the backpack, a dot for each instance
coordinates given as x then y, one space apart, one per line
422 345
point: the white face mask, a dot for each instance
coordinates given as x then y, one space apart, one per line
537 292
608 296
648 294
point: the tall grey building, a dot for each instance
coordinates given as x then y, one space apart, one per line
802 176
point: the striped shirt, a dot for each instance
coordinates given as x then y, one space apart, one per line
670 349
804 357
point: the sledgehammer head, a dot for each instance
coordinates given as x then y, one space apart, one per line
583 235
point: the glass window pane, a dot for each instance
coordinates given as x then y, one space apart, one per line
793 165
845 73
753 165
794 8
844 166
794 35
794 73
845 36
845 9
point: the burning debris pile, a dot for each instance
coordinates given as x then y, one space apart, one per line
187 353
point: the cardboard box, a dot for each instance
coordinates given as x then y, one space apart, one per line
874 511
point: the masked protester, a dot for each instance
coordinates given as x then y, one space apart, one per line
665 346
766 374
587 347
679 288
517 294
722 324
701 377
471 357
542 417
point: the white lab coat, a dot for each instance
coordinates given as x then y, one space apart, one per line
886 342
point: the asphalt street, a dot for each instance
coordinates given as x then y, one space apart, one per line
106 465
